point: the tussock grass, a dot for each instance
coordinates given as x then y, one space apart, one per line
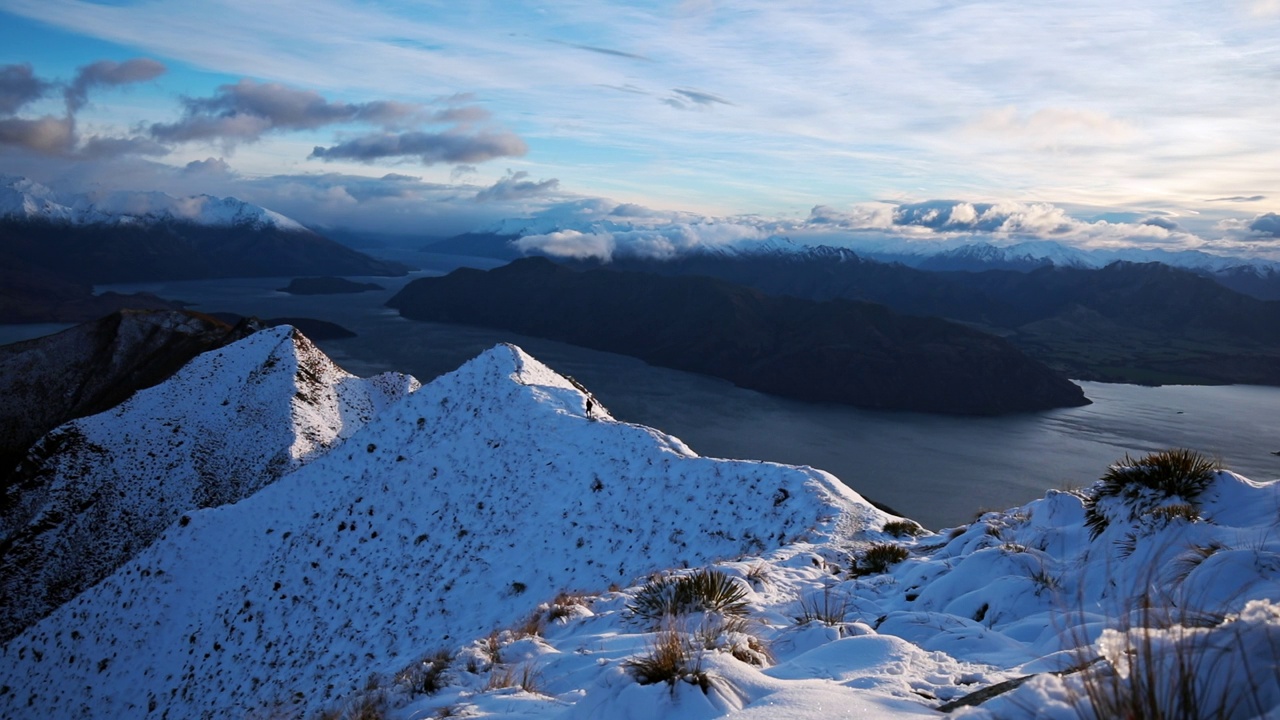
828 607
1147 484
879 558
672 658
903 528
672 596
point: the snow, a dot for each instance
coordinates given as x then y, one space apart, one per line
25 199
228 423
485 522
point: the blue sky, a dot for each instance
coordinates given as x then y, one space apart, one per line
772 108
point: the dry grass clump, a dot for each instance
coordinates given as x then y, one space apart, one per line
672 658
672 596
1147 484
879 558
427 676
828 607
903 528
524 676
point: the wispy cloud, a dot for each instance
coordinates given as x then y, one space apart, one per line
1115 105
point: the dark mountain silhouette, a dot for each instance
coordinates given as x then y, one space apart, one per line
175 250
1131 322
840 351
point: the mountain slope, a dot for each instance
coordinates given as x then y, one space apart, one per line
376 580
96 491
839 351
1126 322
92 367
456 509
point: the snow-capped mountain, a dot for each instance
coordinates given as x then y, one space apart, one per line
455 557
96 491
25 199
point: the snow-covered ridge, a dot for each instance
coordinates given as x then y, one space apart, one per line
228 423
21 198
455 557
457 508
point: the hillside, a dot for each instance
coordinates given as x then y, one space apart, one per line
98 490
93 367
485 547
1126 322
838 351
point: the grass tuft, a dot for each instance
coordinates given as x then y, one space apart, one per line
706 590
672 658
426 677
904 528
829 608
1147 484
879 558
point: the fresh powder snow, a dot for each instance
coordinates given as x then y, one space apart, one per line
484 547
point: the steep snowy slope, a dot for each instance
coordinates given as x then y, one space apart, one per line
97 490
455 510
93 367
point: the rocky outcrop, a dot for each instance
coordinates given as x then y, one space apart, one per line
839 351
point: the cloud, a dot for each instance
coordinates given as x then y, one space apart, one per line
1160 222
1267 224
689 98
653 235
461 171
604 51
19 86
515 187
98 146
110 73
450 146
47 135
1239 198
569 244
208 168
243 112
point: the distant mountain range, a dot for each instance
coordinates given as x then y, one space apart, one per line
1254 277
139 237
1125 322
839 351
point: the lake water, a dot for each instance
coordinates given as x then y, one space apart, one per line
938 470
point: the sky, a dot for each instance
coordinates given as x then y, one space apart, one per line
1099 122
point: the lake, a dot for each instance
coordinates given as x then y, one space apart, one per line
939 470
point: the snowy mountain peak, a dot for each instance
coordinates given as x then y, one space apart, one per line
228 423
22 198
